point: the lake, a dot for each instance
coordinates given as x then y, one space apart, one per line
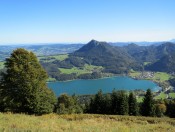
80 87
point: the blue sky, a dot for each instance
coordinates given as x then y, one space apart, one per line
71 21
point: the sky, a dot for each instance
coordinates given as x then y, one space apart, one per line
79 21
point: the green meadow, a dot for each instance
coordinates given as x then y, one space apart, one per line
82 70
1 65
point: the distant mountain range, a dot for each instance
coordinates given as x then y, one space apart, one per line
114 58
40 50
53 49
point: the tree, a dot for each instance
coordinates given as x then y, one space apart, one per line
114 102
68 105
123 103
23 85
97 104
170 108
148 107
119 102
133 107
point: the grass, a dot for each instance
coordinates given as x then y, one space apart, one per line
146 63
52 58
51 79
172 95
84 123
86 69
162 95
1 64
140 99
134 73
161 76
60 57
73 70
158 76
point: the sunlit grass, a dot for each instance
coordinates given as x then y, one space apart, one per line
52 58
146 63
86 69
84 123
134 73
172 95
161 76
1 65
162 95
140 99
60 57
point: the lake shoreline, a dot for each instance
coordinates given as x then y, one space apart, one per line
96 78
107 84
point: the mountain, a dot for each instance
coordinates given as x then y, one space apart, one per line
114 59
165 64
150 53
143 43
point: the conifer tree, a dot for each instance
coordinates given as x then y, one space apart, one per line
97 104
23 85
114 102
119 102
123 103
133 107
148 106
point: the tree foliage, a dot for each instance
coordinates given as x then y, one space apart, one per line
23 86
68 105
133 107
148 107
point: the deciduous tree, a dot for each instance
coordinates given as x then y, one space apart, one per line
23 85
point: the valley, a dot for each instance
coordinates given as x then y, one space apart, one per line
101 59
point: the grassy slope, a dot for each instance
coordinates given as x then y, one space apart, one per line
1 65
60 57
78 71
162 95
172 95
162 76
82 122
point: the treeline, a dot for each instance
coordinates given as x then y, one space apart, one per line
120 103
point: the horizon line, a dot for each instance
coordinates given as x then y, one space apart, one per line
83 42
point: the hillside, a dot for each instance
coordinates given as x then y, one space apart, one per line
165 64
150 53
98 59
84 122
114 59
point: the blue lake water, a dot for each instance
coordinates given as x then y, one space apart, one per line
81 87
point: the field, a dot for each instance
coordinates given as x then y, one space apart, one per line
162 95
158 76
52 58
172 95
79 71
146 63
134 73
140 99
161 76
1 65
84 123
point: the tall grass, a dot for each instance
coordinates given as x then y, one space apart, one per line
83 123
